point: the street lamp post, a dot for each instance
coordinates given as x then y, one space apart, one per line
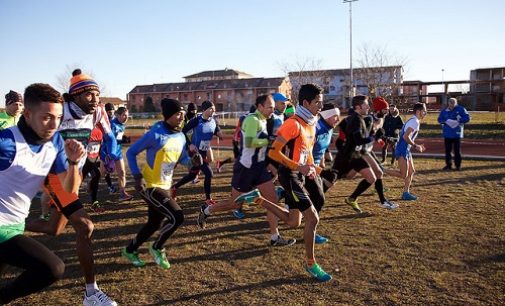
351 93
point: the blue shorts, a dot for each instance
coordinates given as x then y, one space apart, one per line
403 153
246 179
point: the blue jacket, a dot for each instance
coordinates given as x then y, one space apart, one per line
323 140
460 114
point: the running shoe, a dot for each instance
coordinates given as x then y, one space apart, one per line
124 196
354 204
45 217
218 166
388 205
239 214
210 202
96 207
318 239
98 299
317 272
173 193
133 258
280 192
202 217
282 242
112 189
196 180
159 257
248 197
407 196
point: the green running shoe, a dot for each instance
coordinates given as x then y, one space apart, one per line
280 192
248 197
159 257
354 204
133 258
317 272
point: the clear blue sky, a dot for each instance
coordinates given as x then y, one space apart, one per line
124 43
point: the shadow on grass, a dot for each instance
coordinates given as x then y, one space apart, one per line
245 288
498 258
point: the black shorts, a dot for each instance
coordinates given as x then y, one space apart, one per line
246 179
344 167
297 195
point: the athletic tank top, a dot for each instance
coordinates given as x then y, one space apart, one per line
21 181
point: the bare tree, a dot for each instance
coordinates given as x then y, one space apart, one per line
304 71
380 72
63 79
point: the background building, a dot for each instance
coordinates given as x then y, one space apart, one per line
229 89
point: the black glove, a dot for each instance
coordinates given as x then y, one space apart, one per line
329 176
125 139
196 159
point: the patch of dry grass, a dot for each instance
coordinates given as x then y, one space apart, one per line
446 248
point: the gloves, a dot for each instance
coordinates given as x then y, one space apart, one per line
196 159
109 164
329 177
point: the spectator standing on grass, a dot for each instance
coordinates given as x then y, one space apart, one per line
453 119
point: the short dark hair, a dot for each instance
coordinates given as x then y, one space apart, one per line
37 93
261 100
309 92
121 110
418 106
358 100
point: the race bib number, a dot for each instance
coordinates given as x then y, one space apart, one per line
93 147
304 155
119 136
204 145
167 169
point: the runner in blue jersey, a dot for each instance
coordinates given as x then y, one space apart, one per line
273 125
165 148
28 152
203 128
118 126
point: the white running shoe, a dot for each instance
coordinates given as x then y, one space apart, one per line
388 205
98 299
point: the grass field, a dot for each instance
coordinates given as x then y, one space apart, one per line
447 248
484 125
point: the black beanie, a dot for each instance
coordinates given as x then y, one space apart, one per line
206 105
109 106
13 97
191 107
170 107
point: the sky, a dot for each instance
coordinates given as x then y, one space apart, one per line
124 43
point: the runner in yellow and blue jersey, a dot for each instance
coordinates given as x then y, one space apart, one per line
165 148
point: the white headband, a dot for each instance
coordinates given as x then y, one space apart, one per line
329 113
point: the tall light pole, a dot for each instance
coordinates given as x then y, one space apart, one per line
351 94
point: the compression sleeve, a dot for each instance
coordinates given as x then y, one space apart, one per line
146 141
250 128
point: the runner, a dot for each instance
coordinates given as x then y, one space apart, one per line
408 135
28 152
118 128
355 156
165 147
13 109
92 168
293 150
203 128
250 170
81 113
329 119
108 166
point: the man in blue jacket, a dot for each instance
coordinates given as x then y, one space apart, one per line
453 119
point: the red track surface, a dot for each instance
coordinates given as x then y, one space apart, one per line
483 147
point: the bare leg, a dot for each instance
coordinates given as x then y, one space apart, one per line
84 228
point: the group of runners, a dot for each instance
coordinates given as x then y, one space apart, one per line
276 157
